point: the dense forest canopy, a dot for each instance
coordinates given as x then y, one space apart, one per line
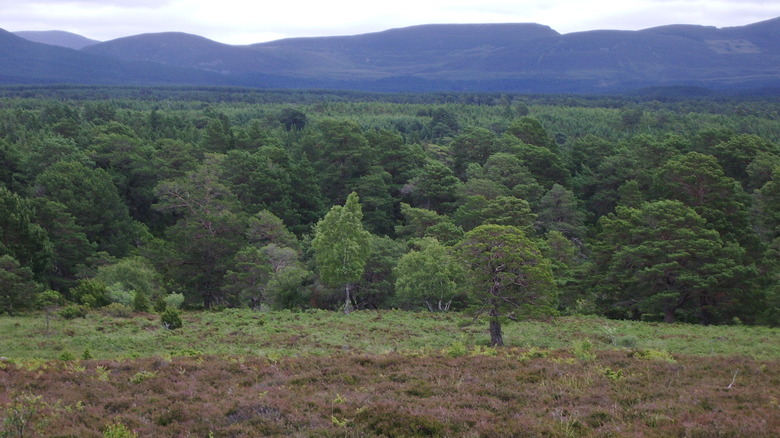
647 207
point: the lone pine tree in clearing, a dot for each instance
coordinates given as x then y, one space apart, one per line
508 274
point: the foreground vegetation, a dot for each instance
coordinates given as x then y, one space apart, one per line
386 374
239 332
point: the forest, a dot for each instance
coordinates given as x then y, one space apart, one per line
647 207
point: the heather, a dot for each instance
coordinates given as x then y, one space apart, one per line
475 392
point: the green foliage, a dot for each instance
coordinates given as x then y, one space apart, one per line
17 286
49 299
118 430
24 416
186 190
116 293
73 311
341 245
67 356
91 197
376 288
436 188
142 376
140 302
429 277
118 310
131 274
208 233
171 319
22 239
507 274
173 300
652 354
558 210
91 293
663 258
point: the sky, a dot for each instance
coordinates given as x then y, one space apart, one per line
247 22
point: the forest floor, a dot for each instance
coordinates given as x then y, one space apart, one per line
239 373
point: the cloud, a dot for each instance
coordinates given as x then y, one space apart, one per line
130 4
243 22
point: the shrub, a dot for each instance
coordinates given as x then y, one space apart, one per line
117 293
118 310
583 350
73 311
118 430
24 414
174 300
91 293
132 274
629 341
160 305
652 354
171 319
140 302
456 349
67 356
49 299
142 376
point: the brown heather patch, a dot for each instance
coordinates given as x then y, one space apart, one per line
479 394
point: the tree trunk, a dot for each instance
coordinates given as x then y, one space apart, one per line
704 311
669 315
496 337
347 300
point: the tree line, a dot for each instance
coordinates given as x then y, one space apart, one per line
509 206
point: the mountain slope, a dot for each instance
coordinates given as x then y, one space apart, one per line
27 62
23 61
514 57
57 38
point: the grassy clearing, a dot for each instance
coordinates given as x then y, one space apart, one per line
277 334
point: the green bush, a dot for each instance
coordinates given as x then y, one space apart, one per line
140 302
174 301
171 319
116 293
73 311
49 299
118 310
160 305
91 293
66 356
118 430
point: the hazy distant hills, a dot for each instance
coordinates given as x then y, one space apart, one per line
456 57
57 38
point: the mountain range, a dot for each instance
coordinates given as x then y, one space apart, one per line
511 57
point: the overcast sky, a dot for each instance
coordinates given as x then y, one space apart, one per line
246 21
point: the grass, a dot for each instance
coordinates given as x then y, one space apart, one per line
238 373
276 334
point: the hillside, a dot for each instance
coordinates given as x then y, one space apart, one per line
514 57
57 38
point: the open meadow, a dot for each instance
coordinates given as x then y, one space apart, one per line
239 373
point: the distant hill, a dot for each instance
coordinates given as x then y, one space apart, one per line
27 62
512 57
57 38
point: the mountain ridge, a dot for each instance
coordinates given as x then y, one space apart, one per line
57 38
512 57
